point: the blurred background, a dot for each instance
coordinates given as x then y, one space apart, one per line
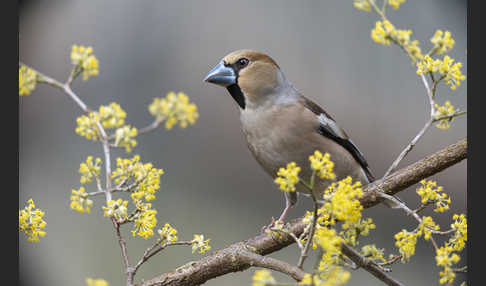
212 185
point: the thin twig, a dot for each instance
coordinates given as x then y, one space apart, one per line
151 252
369 265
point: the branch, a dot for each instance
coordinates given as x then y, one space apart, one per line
368 265
235 257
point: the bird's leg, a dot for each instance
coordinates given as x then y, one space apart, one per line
290 200
288 205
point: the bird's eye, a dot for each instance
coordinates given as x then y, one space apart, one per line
243 62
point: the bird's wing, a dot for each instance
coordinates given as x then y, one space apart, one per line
329 128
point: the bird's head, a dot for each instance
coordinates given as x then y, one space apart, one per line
251 77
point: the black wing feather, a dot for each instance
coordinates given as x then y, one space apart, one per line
344 141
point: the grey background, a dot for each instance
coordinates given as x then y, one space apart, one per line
212 185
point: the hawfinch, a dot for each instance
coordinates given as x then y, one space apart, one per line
281 125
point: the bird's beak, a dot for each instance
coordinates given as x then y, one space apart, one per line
221 75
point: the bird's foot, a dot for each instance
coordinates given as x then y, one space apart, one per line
275 225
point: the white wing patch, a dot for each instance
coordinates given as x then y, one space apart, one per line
331 125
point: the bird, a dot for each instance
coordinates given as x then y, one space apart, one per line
281 125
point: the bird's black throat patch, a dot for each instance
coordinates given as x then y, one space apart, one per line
237 95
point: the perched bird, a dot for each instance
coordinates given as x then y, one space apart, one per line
281 125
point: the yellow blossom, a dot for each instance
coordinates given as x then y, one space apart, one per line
31 222
307 280
383 32
27 80
362 5
174 108
352 230
117 209
426 227
167 234
341 201
263 278
406 242
80 201
96 282
371 252
430 193
403 37
458 240
112 115
322 165
145 179
199 243
448 70
328 240
89 170
124 137
288 177
445 258
145 220
442 111
87 127
109 116
395 3
415 50
333 276
443 42
85 61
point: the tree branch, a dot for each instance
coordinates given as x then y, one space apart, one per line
234 258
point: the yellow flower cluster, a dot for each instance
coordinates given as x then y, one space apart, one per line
80 201
145 177
86 126
406 241
174 108
96 282
430 193
144 220
441 111
427 226
89 170
124 137
351 231
334 277
322 165
328 240
449 71
116 209
27 80
362 5
341 201
31 222
371 252
84 60
395 3
110 116
288 177
167 234
384 33
199 243
445 258
443 42
263 278
458 240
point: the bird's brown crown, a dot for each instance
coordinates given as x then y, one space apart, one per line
251 55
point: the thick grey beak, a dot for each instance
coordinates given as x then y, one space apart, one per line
221 75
